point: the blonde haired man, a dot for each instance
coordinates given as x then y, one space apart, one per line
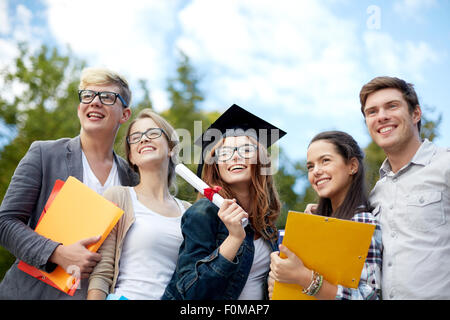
104 105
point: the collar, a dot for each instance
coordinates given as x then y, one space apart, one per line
74 144
422 157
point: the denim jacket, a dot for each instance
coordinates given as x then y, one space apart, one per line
202 273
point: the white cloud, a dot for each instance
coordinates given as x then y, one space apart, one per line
18 26
284 54
15 28
8 52
4 18
413 9
289 60
297 56
23 30
113 33
403 58
160 99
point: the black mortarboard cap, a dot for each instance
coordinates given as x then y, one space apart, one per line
236 121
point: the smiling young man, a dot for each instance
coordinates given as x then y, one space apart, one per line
104 106
412 197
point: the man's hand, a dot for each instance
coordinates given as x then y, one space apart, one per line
75 258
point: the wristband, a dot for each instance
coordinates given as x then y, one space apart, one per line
315 285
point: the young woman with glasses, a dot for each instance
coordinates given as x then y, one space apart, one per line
219 258
139 256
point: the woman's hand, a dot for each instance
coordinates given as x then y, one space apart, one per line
231 214
290 269
270 284
311 208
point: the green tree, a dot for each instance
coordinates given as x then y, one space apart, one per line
45 108
286 178
291 174
185 98
374 157
6 260
430 125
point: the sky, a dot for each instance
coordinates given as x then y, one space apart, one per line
299 64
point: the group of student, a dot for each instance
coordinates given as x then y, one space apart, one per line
166 248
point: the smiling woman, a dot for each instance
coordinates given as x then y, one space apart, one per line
336 173
234 160
139 255
219 258
329 173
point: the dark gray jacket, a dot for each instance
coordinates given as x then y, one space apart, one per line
21 208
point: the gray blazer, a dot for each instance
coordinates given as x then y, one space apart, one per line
28 191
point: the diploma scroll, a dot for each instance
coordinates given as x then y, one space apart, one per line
201 187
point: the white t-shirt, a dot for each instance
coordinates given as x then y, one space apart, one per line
91 180
149 253
254 287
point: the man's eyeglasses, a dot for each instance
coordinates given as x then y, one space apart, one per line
151 134
245 151
106 97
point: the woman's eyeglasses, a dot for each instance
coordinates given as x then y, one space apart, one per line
245 151
151 134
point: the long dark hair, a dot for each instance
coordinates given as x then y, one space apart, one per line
356 198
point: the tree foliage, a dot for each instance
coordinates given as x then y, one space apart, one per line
185 98
288 175
38 101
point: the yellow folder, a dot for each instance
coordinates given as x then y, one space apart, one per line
333 247
77 212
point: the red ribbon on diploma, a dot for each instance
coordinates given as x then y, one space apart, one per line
209 192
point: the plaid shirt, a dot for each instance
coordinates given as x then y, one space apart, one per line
369 285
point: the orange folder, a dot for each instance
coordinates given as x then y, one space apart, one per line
335 248
73 212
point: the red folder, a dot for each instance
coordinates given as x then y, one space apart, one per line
33 271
